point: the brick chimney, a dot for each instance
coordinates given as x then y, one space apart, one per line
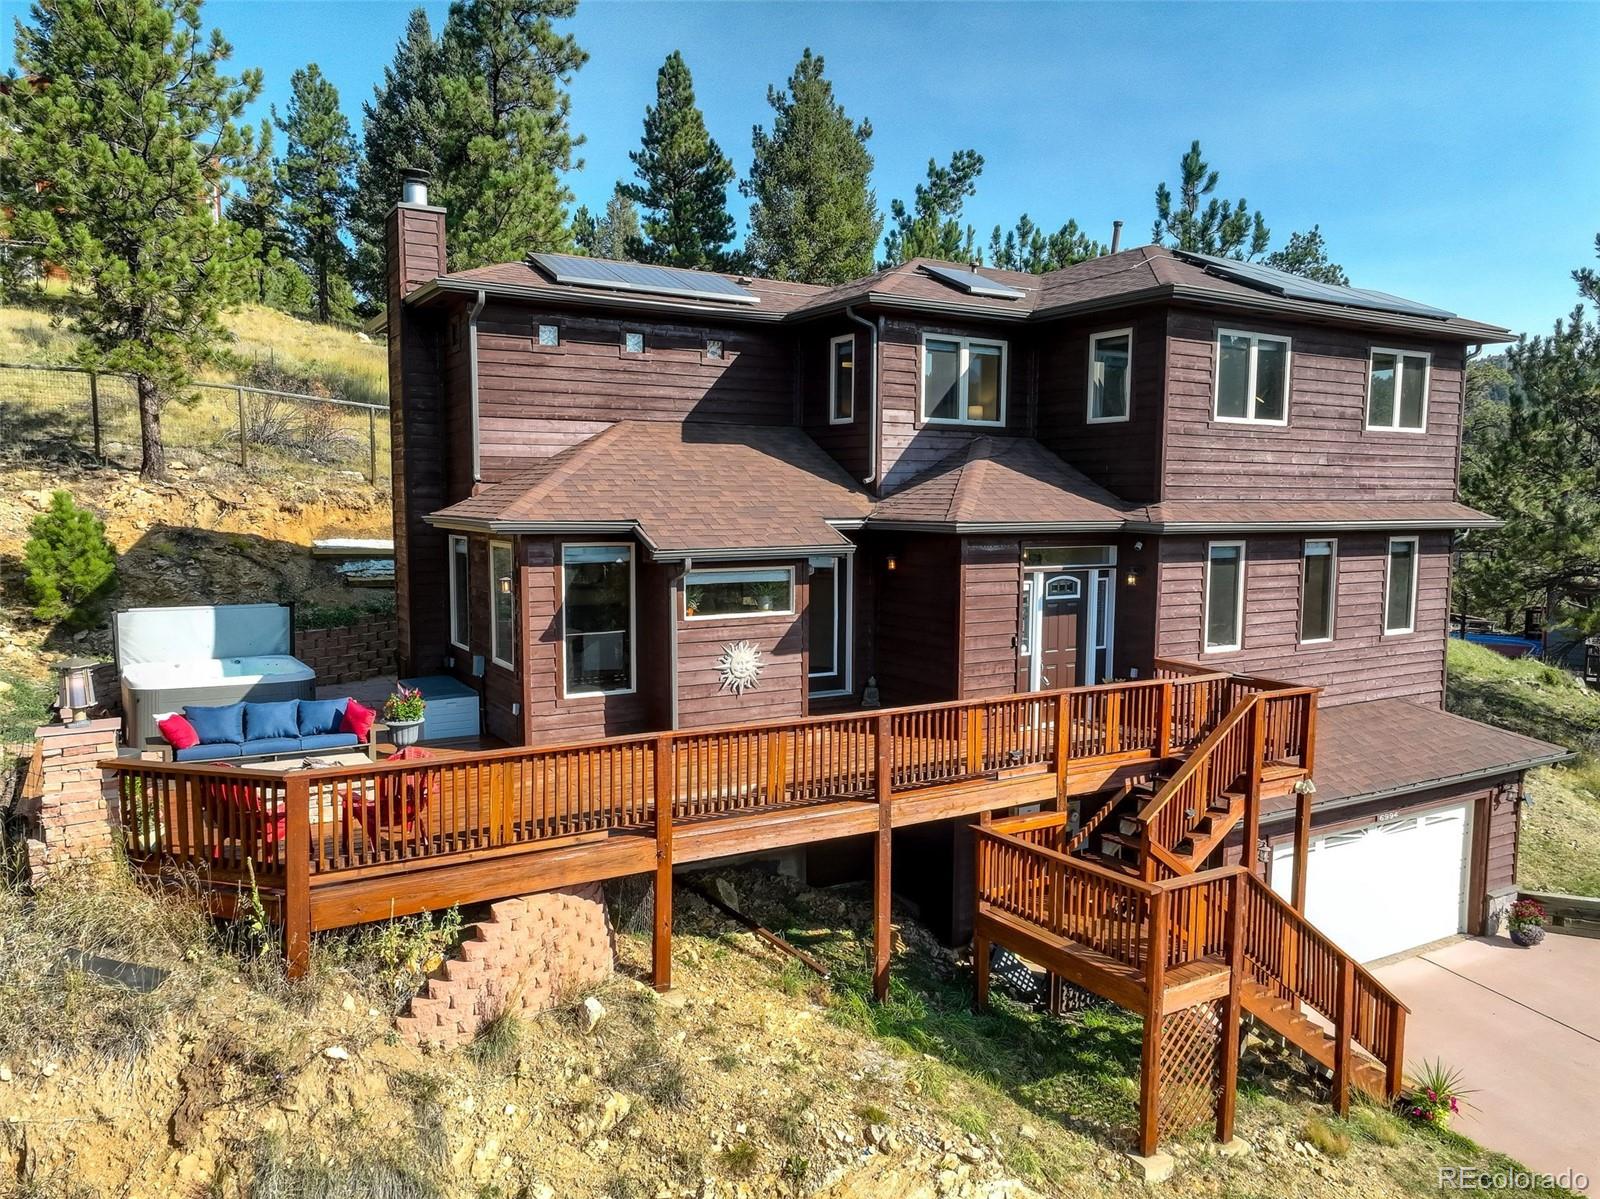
415 254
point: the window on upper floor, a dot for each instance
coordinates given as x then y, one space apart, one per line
633 343
1252 378
714 348
1400 586
1224 596
1318 587
842 379
1110 360
549 335
963 381
1397 391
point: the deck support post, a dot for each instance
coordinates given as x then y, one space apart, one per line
980 943
1248 855
882 857
1155 966
661 934
1302 848
1063 747
1228 1043
297 874
1164 729
1395 1079
1343 1019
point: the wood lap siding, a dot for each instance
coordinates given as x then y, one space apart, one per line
917 618
781 694
1505 816
1361 663
991 599
536 400
848 444
1325 452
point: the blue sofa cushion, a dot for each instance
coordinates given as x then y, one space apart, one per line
207 753
281 719
271 745
329 741
319 716
217 725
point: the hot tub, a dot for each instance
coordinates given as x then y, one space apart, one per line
172 657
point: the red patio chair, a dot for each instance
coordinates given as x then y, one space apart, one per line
400 798
238 803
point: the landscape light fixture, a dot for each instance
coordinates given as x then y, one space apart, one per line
75 689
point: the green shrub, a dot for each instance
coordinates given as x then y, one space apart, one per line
1329 1140
71 567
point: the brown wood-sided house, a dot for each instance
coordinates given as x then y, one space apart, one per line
634 499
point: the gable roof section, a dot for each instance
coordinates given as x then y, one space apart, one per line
688 490
1001 483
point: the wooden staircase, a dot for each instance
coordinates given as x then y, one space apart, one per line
1313 1038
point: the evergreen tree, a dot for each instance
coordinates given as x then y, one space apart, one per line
257 209
503 135
1306 254
683 179
317 177
399 129
1221 228
70 565
1029 248
814 217
931 226
612 234
129 210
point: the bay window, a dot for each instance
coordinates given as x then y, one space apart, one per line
1252 383
963 381
597 618
1397 391
729 594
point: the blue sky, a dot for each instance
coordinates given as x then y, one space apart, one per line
1450 152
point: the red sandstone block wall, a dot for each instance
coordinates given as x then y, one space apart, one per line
350 654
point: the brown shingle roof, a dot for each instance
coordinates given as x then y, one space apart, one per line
689 489
1179 516
1391 746
1001 481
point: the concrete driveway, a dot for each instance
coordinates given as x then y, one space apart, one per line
1523 1027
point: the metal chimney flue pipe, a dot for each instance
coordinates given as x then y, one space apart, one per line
414 187
1116 236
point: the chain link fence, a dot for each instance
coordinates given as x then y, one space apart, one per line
61 411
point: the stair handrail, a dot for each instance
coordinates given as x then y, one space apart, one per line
1198 758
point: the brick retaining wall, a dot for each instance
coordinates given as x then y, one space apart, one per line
352 653
530 952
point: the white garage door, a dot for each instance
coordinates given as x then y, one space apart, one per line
1387 887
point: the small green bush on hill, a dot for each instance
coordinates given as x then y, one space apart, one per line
71 567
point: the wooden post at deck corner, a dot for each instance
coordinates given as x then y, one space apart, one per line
1063 747
661 934
1228 1045
1302 848
1150 1052
882 858
1164 725
1343 1023
1249 856
297 874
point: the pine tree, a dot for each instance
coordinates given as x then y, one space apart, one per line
931 226
317 177
503 135
129 210
399 130
1221 228
70 565
613 233
258 210
1306 254
683 179
814 217
1027 247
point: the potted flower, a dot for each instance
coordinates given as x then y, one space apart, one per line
403 712
1436 1094
1527 921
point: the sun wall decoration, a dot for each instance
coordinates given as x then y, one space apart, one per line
740 667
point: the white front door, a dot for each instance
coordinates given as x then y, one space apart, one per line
1385 888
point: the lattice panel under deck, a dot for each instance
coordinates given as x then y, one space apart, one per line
1190 1068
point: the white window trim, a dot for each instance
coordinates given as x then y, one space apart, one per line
965 344
494 592
1205 601
843 647
1416 582
1427 383
1333 587
833 381
633 619
1250 381
1088 395
455 612
688 581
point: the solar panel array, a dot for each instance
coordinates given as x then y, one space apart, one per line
604 275
1266 278
973 283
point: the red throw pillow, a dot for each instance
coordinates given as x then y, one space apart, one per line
357 719
178 731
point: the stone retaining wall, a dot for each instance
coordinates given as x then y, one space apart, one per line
352 653
68 806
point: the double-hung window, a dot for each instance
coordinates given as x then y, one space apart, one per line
963 381
597 617
1252 378
1223 619
1397 391
1110 359
1400 586
460 595
1318 586
502 605
842 379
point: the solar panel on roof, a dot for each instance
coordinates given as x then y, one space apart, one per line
1253 274
973 283
604 275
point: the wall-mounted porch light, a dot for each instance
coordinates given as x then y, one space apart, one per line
1131 578
891 563
75 689
505 584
